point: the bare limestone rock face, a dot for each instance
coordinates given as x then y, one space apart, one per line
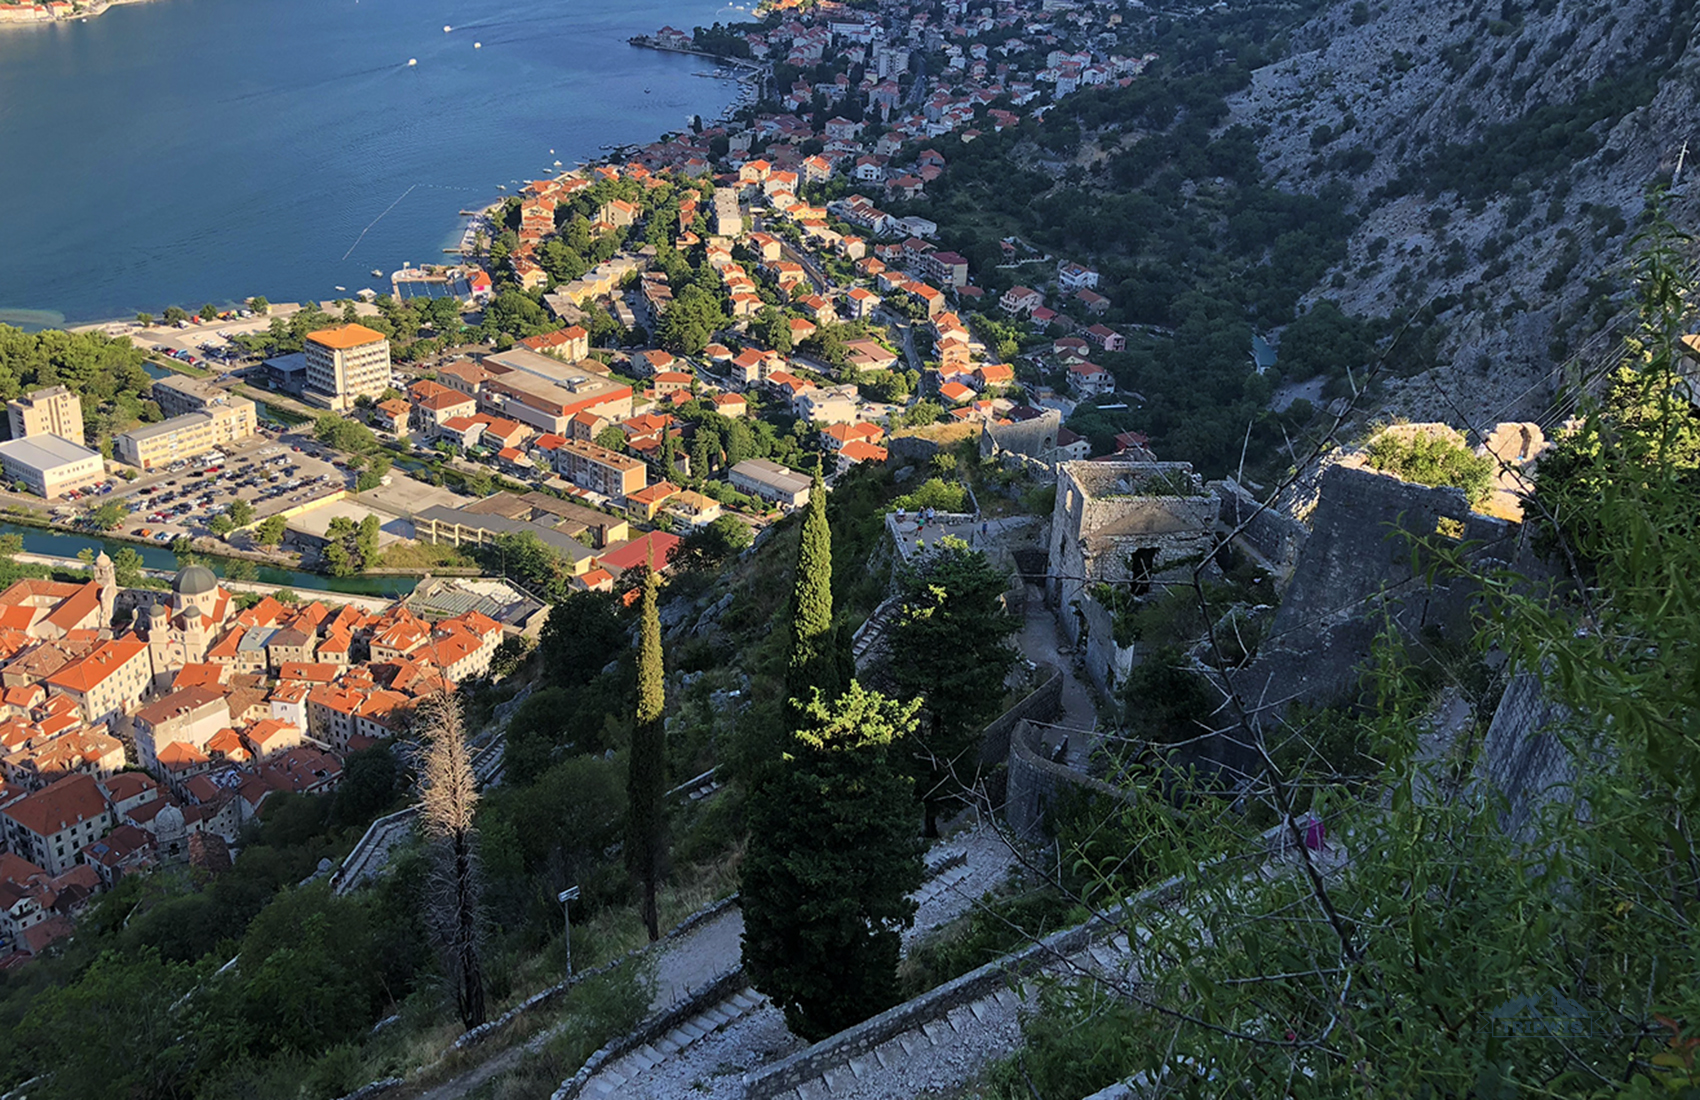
1516 272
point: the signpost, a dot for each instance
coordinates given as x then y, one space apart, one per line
565 896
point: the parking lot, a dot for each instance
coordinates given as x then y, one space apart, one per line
272 471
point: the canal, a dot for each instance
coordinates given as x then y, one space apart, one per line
65 544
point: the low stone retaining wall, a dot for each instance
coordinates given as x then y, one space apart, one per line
1041 704
806 1065
696 1001
542 997
353 869
1034 782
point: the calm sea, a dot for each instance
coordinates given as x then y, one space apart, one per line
185 151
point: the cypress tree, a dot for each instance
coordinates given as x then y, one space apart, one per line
646 771
950 646
814 661
833 856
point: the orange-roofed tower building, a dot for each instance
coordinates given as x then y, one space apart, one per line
344 363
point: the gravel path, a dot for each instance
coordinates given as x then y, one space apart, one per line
1040 641
690 961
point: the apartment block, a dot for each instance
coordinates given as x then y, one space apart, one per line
53 411
51 827
152 445
600 470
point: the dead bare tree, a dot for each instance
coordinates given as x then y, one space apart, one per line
449 795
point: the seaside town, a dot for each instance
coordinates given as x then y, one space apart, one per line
944 579
785 317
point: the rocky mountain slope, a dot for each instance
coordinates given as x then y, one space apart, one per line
1500 154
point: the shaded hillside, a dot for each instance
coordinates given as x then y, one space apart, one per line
1498 156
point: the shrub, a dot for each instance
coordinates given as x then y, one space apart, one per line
1432 459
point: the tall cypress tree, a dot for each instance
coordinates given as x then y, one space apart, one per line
813 663
646 771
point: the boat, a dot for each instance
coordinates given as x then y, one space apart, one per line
478 45
501 187
377 273
412 61
557 164
447 28
339 288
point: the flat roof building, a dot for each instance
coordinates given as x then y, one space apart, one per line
771 481
52 411
344 363
287 373
154 445
600 470
178 394
545 393
48 465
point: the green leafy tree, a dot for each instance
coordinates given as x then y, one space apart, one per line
579 636
108 515
209 312
127 567
646 782
833 856
174 314
949 645
611 438
269 531
344 434
241 512
113 1031
221 525
713 545
813 662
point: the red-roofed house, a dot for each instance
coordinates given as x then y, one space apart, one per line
50 827
1091 380
108 681
859 451
654 550
1107 338
1021 299
570 344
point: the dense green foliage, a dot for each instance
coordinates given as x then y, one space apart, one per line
105 372
112 1013
833 855
814 661
646 775
949 645
1432 458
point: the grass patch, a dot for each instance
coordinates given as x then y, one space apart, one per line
424 555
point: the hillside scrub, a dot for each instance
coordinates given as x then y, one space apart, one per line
1432 458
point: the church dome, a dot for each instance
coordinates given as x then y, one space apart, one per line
196 580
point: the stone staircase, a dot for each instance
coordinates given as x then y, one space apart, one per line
942 1045
624 1075
869 636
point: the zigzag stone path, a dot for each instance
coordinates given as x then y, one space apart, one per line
705 1057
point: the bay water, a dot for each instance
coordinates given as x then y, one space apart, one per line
177 152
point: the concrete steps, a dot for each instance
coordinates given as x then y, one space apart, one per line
613 1078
